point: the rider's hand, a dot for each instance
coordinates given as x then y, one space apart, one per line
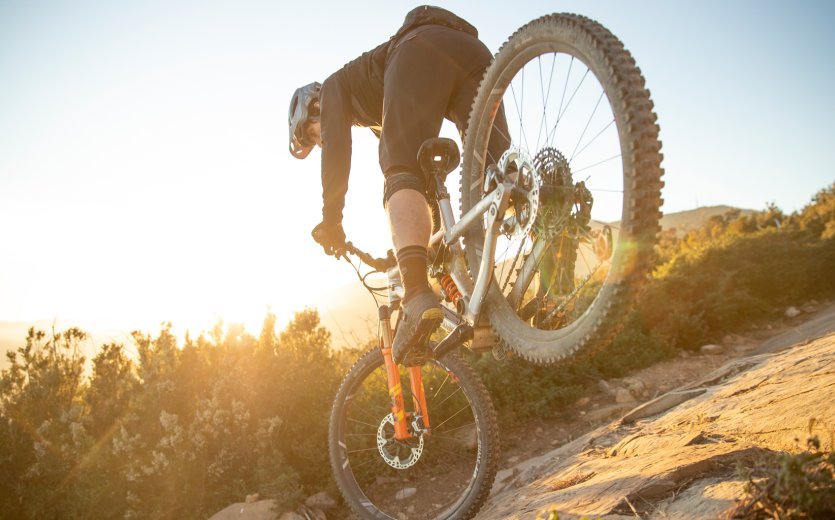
331 237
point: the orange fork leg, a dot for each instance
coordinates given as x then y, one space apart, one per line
418 394
398 408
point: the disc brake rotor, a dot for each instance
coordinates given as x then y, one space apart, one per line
397 454
516 166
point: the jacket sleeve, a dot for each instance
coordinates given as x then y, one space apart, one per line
336 120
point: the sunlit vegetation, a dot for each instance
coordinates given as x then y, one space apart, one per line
789 485
183 430
736 271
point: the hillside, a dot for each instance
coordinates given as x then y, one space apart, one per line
685 221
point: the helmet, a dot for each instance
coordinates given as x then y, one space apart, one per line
300 105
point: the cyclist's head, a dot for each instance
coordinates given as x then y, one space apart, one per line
303 119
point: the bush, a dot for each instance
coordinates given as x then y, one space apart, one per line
787 486
180 433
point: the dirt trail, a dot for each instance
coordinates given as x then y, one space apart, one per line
674 456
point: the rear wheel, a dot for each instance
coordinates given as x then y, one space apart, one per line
445 471
584 153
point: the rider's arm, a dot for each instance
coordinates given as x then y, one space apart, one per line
336 147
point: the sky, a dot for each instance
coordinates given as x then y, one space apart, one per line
144 172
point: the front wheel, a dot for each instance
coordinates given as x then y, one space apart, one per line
563 113
444 471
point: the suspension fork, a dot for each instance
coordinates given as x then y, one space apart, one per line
395 388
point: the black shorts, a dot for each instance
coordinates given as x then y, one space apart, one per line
432 73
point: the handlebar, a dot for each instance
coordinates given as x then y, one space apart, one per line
380 264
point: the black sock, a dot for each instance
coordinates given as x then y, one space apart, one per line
413 261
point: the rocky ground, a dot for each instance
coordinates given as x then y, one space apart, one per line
675 456
664 442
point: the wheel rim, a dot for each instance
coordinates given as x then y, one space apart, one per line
388 479
559 114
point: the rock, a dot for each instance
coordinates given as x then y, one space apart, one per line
583 402
683 452
513 460
260 510
539 430
809 309
405 493
321 501
662 404
605 387
310 513
635 385
622 395
252 498
792 312
712 349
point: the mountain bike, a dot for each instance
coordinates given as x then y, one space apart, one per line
555 235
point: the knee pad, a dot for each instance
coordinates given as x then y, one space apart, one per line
403 181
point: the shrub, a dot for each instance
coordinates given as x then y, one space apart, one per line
787 486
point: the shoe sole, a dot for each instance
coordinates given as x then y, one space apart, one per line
420 354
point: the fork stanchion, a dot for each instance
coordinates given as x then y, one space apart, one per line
418 395
398 409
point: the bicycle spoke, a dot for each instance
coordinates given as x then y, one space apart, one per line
363 449
362 422
575 154
562 100
465 407
432 399
583 134
546 94
436 430
612 158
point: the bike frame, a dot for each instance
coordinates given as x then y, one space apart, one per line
492 205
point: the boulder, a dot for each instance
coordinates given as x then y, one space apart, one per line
792 312
622 395
321 501
712 349
259 510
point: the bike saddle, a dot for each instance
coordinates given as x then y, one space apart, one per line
438 156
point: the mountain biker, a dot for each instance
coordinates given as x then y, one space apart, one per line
402 90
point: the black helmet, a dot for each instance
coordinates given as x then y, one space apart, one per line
300 108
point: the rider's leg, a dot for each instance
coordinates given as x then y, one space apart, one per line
421 314
410 227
